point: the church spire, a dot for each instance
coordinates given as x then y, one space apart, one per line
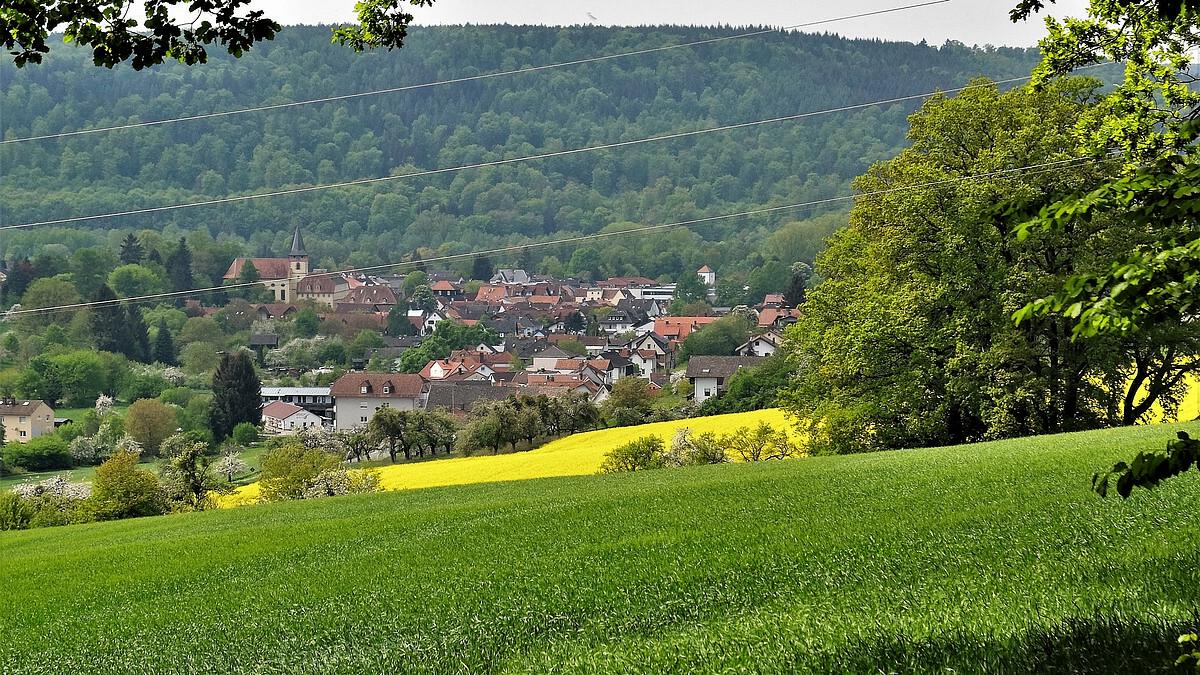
298 245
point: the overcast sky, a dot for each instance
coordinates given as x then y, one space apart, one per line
972 22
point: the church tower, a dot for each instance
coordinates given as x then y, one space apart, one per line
298 257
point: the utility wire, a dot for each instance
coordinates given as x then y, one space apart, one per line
1033 168
471 78
500 162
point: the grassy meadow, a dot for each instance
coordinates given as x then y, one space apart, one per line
987 558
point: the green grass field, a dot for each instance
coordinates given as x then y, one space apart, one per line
989 558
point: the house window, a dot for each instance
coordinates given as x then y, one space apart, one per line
362 406
364 390
708 392
387 389
363 418
22 433
22 420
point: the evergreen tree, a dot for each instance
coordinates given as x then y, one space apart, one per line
179 267
164 346
106 320
136 342
237 394
573 323
797 287
131 250
397 320
482 268
20 275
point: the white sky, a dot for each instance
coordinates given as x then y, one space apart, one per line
972 22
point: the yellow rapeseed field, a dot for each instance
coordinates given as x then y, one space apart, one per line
576 455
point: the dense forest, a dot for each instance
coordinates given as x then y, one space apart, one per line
442 127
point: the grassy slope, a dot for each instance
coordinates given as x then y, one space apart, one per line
989 558
577 455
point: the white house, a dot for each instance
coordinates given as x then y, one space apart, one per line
284 418
710 374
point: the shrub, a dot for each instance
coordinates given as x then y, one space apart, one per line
177 396
43 453
643 453
688 449
290 470
760 444
245 433
121 490
15 513
55 501
144 386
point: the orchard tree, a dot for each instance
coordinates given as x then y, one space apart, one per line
231 465
189 479
237 394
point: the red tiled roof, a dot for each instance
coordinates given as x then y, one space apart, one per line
280 410
442 286
401 386
680 326
267 268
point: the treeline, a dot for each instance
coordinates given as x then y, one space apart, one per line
729 82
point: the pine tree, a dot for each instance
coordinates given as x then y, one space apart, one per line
237 394
136 342
482 268
131 250
164 346
106 320
179 267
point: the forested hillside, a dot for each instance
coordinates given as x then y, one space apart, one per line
721 83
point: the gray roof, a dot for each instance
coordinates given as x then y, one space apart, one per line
720 366
464 395
295 391
298 244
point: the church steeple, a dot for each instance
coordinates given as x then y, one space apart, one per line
298 246
298 258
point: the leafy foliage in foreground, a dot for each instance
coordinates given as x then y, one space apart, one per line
992 558
1148 468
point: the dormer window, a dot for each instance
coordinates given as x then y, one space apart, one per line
387 389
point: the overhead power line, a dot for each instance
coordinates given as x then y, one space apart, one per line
501 162
471 78
1033 168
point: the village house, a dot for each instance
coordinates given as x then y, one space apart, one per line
357 396
710 374
284 418
26 419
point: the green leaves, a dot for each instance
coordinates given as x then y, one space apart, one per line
382 23
1149 468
